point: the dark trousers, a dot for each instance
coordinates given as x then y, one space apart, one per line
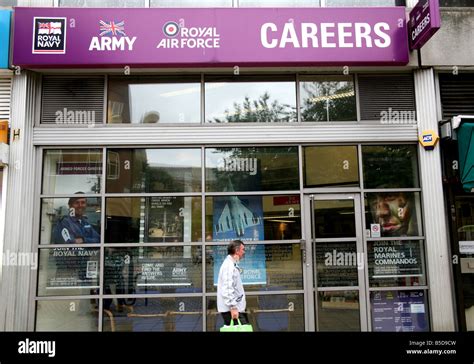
242 317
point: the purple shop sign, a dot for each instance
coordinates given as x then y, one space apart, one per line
107 37
425 20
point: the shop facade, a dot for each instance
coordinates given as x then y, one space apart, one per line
150 158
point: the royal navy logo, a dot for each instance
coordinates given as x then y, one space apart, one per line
49 35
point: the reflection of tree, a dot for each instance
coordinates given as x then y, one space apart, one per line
390 166
329 101
258 111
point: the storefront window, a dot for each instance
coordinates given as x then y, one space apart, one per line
271 313
390 166
265 267
148 270
153 170
338 311
74 220
102 3
160 219
328 98
66 315
330 166
237 101
253 218
334 219
393 214
252 169
154 100
333 273
396 263
68 171
68 271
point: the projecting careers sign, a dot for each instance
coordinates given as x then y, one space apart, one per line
52 37
425 20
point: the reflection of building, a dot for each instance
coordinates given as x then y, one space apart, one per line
307 186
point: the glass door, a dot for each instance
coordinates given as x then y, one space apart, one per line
335 263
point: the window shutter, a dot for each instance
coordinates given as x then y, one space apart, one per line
457 94
5 98
84 96
379 93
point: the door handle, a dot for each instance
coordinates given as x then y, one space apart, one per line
303 249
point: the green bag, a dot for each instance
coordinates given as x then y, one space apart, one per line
237 328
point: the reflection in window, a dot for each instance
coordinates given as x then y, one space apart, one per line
331 166
153 170
396 263
253 218
152 270
231 101
252 169
153 219
334 219
279 3
394 214
338 311
74 220
102 3
190 3
328 98
264 267
67 171
68 271
151 101
390 166
266 313
66 315
337 264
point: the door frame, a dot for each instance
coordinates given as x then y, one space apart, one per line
307 259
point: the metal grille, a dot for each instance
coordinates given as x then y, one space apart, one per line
5 97
457 94
377 93
68 97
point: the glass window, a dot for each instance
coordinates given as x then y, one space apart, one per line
337 264
153 100
253 218
278 3
252 169
74 220
266 313
153 219
68 171
190 3
334 219
268 267
176 269
328 98
390 166
399 311
9 3
154 314
66 315
396 263
365 2
102 3
338 311
238 101
331 166
393 214
68 271
153 170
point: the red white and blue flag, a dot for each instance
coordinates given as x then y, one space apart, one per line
112 28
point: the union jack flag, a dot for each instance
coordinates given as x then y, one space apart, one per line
112 28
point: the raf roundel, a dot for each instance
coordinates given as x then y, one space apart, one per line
171 29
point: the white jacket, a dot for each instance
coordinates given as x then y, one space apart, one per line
230 291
